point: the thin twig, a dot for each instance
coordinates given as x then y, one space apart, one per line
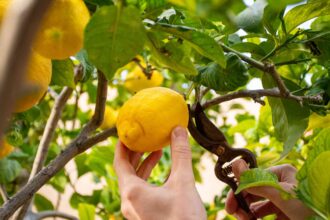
257 94
17 33
4 194
47 214
271 69
77 146
47 136
265 67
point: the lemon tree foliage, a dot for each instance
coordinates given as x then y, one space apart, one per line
275 53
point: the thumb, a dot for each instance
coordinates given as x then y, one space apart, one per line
180 150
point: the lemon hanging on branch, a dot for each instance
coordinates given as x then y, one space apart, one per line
146 120
139 77
62 30
35 83
109 119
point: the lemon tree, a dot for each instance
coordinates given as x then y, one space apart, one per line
103 70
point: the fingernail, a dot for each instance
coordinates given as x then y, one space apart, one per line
180 132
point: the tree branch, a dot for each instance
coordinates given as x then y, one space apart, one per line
4 194
267 68
77 146
47 136
257 94
17 33
46 214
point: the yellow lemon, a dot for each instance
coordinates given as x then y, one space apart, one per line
3 7
35 84
5 148
146 120
61 33
137 80
110 118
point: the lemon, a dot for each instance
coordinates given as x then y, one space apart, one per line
5 148
146 120
37 79
137 80
3 7
61 33
110 118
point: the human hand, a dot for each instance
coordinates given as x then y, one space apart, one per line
266 200
176 199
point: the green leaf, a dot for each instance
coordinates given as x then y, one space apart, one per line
171 55
321 23
113 37
319 182
259 177
59 181
321 143
77 198
321 40
80 161
251 18
289 118
201 42
100 2
305 12
88 68
86 211
62 73
242 126
249 48
98 158
9 170
275 4
213 76
42 203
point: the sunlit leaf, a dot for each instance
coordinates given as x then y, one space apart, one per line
319 182
86 211
113 37
305 12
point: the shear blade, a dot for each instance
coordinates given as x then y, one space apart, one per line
206 127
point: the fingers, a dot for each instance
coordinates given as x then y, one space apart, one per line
239 166
285 173
231 205
122 164
148 164
181 153
134 158
264 208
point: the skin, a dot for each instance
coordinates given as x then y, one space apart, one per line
178 198
267 200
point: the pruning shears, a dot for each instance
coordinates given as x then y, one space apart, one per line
212 139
